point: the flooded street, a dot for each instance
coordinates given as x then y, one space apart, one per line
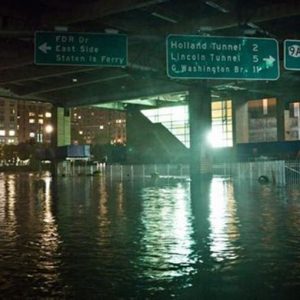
98 238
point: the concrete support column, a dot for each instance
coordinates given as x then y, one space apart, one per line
240 122
200 126
61 121
280 120
61 135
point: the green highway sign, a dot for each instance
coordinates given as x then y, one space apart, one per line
196 57
292 54
84 49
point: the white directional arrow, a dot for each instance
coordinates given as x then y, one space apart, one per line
269 61
44 47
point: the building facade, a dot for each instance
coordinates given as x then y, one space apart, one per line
91 125
22 121
8 122
34 122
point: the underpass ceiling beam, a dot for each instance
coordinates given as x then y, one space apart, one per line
74 86
49 75
217 22
94 10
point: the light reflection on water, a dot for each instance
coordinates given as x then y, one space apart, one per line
223 220
167 232
89 237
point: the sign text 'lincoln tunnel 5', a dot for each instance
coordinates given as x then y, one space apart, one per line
192 57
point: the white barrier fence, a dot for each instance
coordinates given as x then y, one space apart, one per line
272 171
277 172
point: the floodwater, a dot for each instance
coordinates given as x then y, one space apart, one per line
99 238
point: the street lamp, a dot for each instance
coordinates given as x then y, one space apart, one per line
49 128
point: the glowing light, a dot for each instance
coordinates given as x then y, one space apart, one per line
214 138
217 138
48 128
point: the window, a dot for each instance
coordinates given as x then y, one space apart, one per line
174 118
262 120
292 122
221 135
10 141
12 133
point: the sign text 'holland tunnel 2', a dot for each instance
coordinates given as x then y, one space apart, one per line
84 49
195 57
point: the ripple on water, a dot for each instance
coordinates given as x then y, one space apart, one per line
88 237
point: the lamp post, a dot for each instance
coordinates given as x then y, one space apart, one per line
48 131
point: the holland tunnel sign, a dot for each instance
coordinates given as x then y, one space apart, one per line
84 49
196 57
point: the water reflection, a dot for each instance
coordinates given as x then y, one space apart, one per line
85 237
50 240
7 201
167 234
29 239
223 220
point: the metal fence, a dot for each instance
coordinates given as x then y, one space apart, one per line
292 170
271 171
155 170
278 172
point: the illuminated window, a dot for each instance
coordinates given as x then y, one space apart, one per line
101 127
221 113
32 134
80 132
39 138
12 133
41 121
48 114
2 132
262 120
174 118
292 122
31 114
31 121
